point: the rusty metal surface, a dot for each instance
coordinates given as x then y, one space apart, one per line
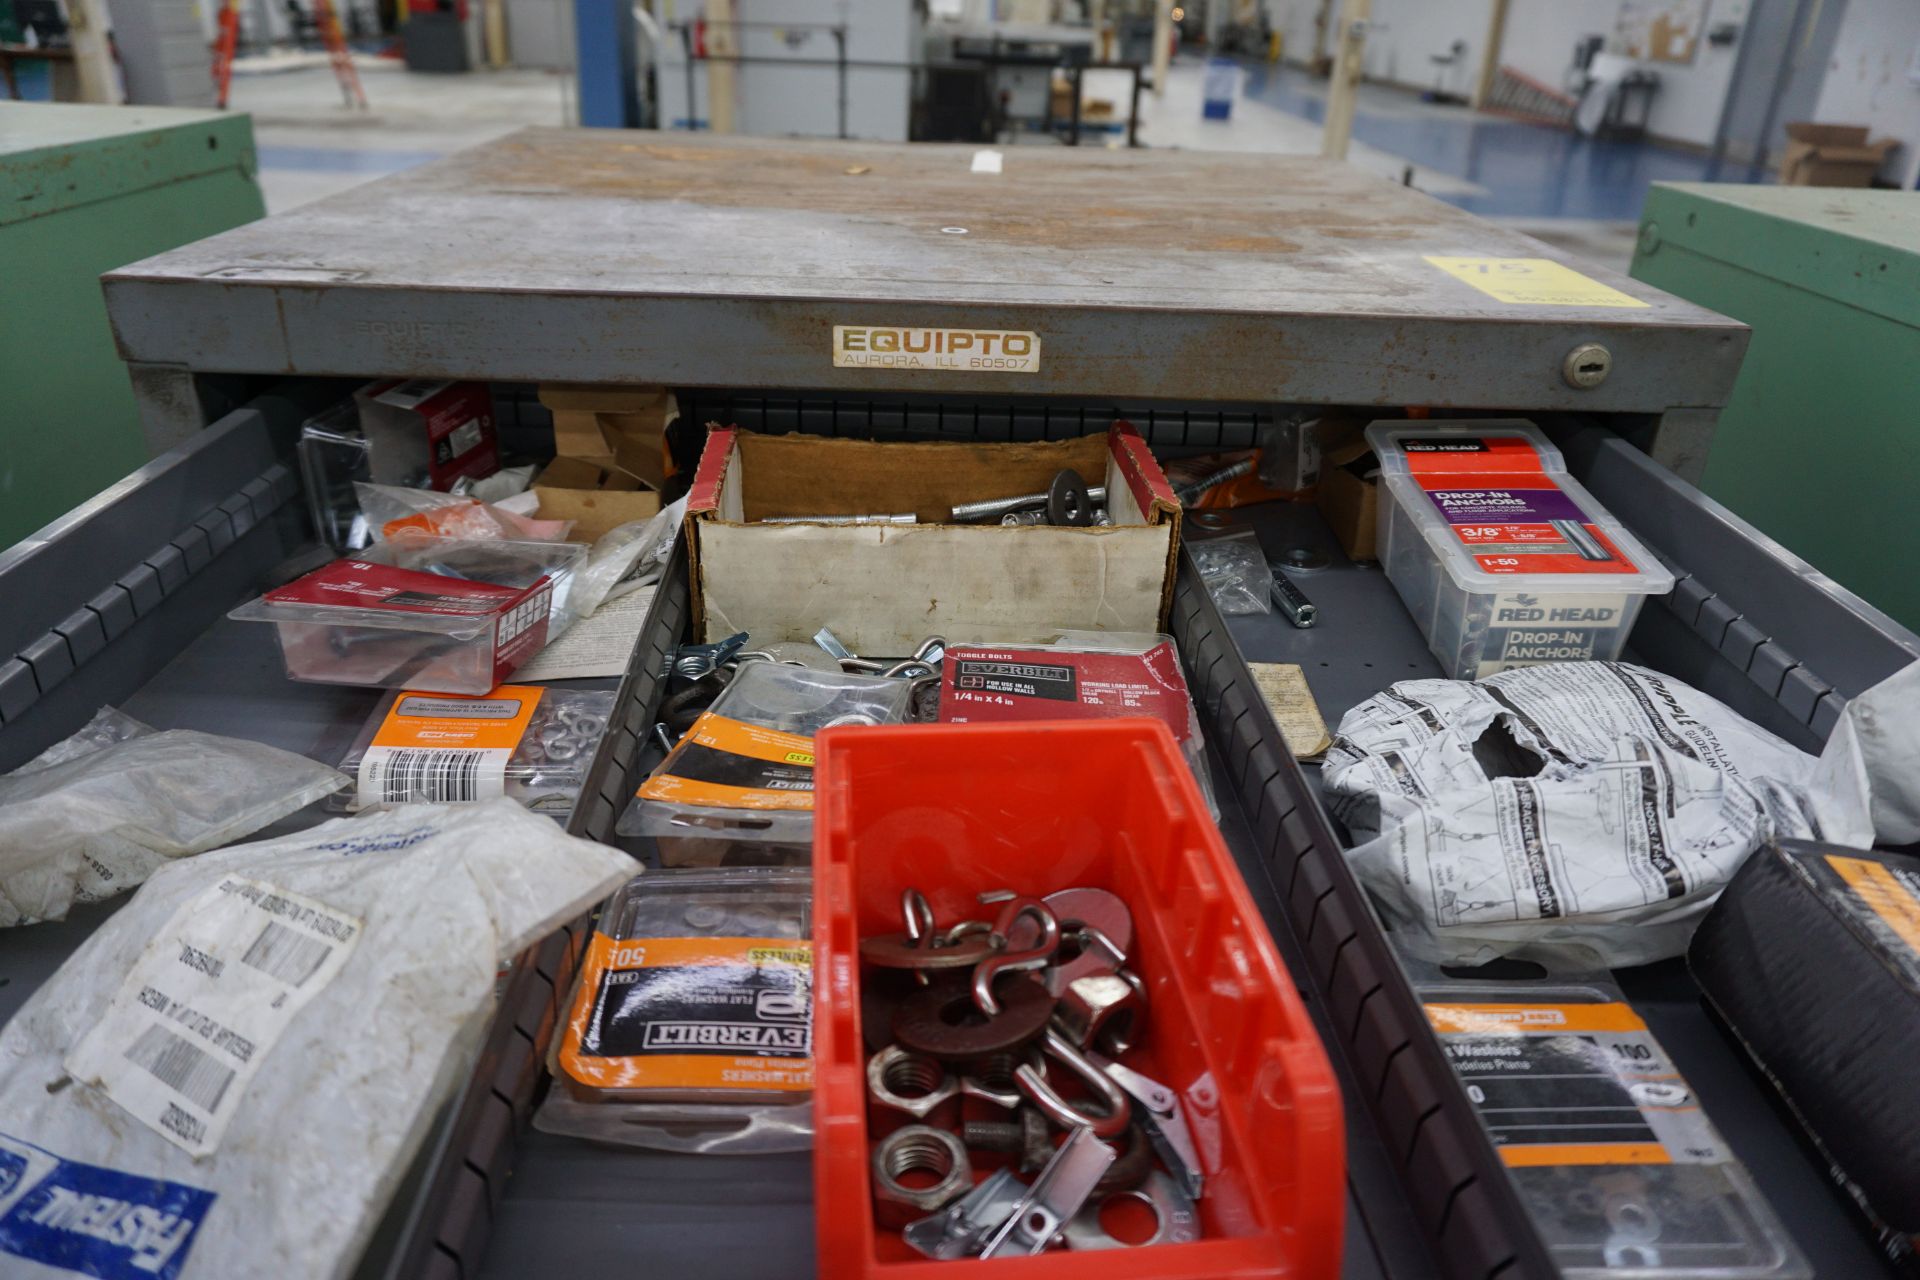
599 255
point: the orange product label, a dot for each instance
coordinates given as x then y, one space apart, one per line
731 764
490 721
1884 895
1532 1019
693 1013
1573 1083
1546 1153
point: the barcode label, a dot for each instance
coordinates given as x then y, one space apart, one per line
431 775
286 955
436 776
202 1006
183 1067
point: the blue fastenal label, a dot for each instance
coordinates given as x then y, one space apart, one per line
94 1221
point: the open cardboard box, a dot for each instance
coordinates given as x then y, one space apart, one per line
1832 155
1348 493
882 589
609 458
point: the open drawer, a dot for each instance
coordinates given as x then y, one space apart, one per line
124 602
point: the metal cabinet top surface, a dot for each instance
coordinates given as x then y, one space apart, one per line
586 255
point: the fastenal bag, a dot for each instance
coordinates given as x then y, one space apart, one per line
230 1076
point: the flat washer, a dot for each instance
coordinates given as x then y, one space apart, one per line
1174 1216
942 1021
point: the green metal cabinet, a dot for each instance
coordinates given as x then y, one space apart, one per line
83 190
1818 442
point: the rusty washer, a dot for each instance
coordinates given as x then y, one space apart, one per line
943 1022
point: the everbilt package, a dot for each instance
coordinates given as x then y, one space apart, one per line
892 585
1501 556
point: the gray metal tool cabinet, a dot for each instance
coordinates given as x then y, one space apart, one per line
1198 296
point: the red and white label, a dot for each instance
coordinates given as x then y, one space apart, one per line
1506 510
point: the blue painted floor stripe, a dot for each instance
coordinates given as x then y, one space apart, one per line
1528 170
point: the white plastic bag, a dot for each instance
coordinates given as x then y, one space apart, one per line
296 1011
108 726
626 558
1581 804
94 815
393 509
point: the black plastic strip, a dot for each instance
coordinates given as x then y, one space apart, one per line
1473 1220
447 1219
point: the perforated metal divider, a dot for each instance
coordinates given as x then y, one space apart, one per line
1168 428
446 1230
1371 1019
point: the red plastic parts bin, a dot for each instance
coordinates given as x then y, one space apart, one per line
956 809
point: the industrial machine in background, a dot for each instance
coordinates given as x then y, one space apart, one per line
85 189
1822 411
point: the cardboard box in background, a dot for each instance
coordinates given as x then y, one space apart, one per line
1832 155
1348 494
609 456
882 589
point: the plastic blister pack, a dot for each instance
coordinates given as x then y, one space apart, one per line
421 613
1624 1175
1235 570
393 511
530 744
498 562
745 768
689 1027
333 456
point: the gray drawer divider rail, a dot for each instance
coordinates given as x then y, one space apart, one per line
1462 1198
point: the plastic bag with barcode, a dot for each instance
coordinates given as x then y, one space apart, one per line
207 1000
232 1074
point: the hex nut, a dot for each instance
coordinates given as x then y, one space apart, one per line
909 1083
918 1148
991 1079
1100 1009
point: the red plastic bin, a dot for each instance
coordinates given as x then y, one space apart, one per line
955 809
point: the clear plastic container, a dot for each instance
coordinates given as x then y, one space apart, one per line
744 771
368 621
497 561
1624 1175
689 1026
530 744
1501 556
333 454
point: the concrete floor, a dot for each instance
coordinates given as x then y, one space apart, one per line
1575 193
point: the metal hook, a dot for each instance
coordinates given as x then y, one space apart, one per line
1034 957
1118 1109
918 914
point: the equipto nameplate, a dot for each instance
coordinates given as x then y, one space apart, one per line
946 350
